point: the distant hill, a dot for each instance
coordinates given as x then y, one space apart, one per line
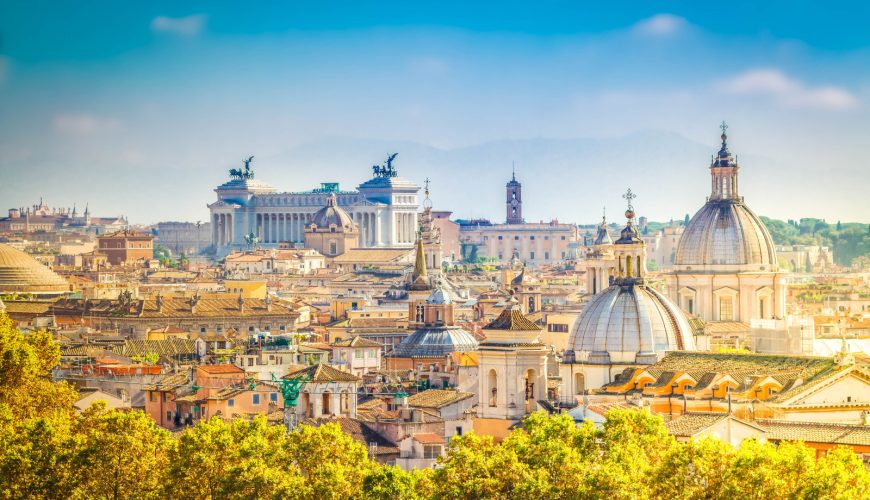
571 179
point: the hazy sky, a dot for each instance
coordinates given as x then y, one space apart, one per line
140 107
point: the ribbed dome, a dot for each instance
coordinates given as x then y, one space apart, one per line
430 342
726 232
22 273
629 322
332 214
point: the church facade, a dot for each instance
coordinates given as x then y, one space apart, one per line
249 211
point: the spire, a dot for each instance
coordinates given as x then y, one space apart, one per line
723 168
603 235
427 203
629 234
513 171
420 277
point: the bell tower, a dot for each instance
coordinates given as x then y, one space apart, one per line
514 201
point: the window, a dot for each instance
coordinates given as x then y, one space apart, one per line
372 353
532 237
690 306
231 402
557 327
563 238
358 354
273 397
152 397
546 255
255 398
169 416
499 237
431 451
726 309
516 238
532 255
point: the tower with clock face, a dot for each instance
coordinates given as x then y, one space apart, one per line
514 201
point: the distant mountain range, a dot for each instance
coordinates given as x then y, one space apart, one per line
571 179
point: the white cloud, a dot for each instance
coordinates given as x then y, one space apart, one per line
661 25
84 124
789 91
186 26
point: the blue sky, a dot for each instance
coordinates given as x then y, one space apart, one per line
140 107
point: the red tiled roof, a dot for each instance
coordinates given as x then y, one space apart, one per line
429 438
216 369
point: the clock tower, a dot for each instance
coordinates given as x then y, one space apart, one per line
514 201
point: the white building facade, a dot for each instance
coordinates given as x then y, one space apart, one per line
385 209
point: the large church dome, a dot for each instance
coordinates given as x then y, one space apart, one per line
725 232
22 273
629 322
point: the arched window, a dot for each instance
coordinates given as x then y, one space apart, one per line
493 388
579 383
419 315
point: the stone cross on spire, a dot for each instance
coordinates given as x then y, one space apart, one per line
628 196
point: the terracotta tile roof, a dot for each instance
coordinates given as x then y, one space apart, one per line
168 347
816 432
357 341
168 383
437 398
795 373
512 319
373 255
359 431
691 424
172 307
219 369
428 438
323 373
169 329
720 327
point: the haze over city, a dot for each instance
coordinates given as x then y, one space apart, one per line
142 109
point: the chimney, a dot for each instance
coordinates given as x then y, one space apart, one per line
865 417
241 303
159 303
194 300
268 302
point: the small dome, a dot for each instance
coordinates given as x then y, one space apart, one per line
603 236
332 214
629 322
433 342
629 235
726 232
22 273
439 296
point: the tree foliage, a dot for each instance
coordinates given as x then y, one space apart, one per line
48 450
